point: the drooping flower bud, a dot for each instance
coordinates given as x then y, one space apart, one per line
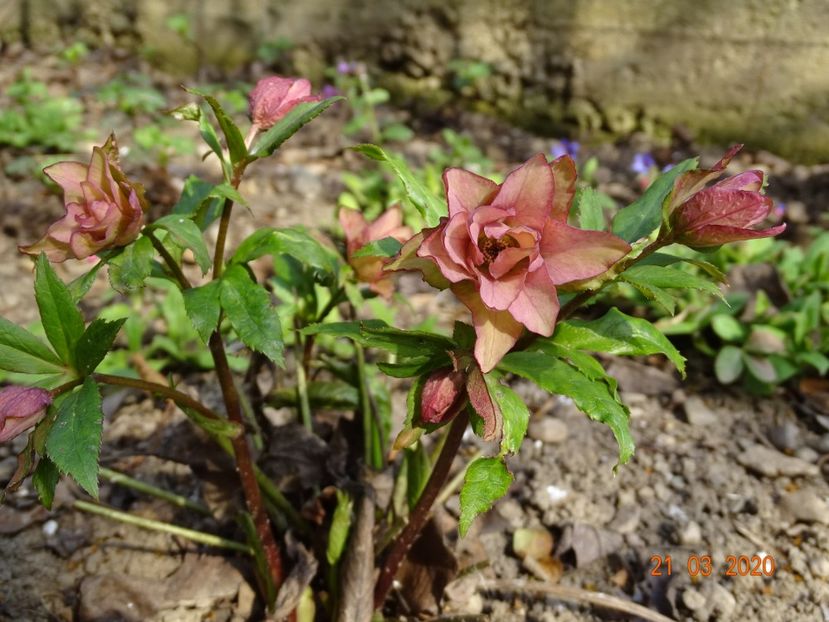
103 209
359 232
20 409
440 391
274 97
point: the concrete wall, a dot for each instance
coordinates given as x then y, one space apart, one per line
749 70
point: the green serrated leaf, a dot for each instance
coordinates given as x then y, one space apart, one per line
590 205
668 277
74 441
340 526
387 247
61 319
293 241
195 192
289 125
22 352
431 208
413 366
617 333
516 415
378 334
248 307
81 285
203 308
641 217
592 398
186 234
728 366
235 141
133 266
486 481
45 479
95 343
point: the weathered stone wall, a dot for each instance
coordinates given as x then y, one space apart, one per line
751 70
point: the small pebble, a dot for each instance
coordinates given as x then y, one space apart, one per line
50 528
691 534
807 506
693 599
548 430
698 413
807 454
820 566
786 436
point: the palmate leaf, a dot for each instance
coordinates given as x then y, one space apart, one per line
74 441
486 481
640 218
430 207
61 318
203 308
616 333
248 307
592 398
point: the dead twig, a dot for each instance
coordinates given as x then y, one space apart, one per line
574 594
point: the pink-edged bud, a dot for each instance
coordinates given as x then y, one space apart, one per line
727 211
274 97
103 209
20 409
440 391
359 232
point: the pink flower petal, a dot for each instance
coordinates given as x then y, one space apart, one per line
715 206
501 292
715 235
465 191
507 260
688 184
572 254
456 239
528 190
20 409
565 176
354 225
434 246
536 305
385 223
408 259
68 175
749 181
496 331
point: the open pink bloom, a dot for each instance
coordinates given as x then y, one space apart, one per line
724 212
274 97
359 232
504 249
103 209
20 409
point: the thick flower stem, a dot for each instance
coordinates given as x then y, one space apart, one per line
241 449
420 514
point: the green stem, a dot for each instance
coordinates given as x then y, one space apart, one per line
154 525
182 399
172 265
302 390
371 432
125 480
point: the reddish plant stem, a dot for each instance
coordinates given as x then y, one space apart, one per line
421 512
241 448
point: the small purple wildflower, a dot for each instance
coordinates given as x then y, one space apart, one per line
345 68
565 147
667 168
329 90
642 164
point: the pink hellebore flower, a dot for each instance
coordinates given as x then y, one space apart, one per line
359 232
724 212
20 409
103 209
504 249
274 97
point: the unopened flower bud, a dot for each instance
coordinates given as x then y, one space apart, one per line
20 409
274 97
440 391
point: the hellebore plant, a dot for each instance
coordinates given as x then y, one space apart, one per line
505 251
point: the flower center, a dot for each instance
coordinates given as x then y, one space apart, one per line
490 247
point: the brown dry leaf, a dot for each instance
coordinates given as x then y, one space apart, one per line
426 571
588 543
303 570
